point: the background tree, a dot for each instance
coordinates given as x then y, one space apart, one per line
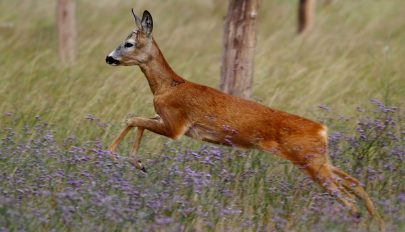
65 12
239 44
306 14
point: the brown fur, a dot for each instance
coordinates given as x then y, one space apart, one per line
204 113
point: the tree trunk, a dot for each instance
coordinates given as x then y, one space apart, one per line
65 11
306 14
239 47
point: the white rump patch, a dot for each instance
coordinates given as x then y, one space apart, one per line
324 133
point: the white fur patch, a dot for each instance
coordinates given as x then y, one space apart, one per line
114 55
324 132
181 132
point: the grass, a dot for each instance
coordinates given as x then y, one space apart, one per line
354 54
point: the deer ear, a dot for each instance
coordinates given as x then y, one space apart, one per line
147 23
137 19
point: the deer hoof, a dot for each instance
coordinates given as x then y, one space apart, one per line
112 155
143 169
138 165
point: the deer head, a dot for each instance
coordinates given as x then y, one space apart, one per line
136 47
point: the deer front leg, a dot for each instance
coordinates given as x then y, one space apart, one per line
117 140
159 126
132 157
156 125
123 133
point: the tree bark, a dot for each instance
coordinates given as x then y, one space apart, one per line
65 11
239 44
306 14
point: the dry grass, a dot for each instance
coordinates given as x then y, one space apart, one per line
355 53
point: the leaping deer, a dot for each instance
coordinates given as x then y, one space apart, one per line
204 113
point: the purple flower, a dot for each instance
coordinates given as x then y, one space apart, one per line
325 107
163 220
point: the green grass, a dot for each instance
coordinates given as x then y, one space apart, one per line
355 53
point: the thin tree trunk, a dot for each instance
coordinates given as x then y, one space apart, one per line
239 47
65 11
306 15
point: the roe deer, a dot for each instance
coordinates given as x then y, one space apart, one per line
204 113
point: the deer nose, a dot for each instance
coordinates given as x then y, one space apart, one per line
110 60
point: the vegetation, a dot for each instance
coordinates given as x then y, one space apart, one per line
55 123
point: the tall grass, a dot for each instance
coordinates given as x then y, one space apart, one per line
354 54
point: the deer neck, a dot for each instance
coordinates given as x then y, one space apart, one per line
158 72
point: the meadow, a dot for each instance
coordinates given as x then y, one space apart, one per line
56 121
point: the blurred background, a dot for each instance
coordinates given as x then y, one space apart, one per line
354 53
57 118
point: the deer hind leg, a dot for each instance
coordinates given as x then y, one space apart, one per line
316 166
323 175
353 185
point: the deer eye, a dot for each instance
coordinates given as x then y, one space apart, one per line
128 45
